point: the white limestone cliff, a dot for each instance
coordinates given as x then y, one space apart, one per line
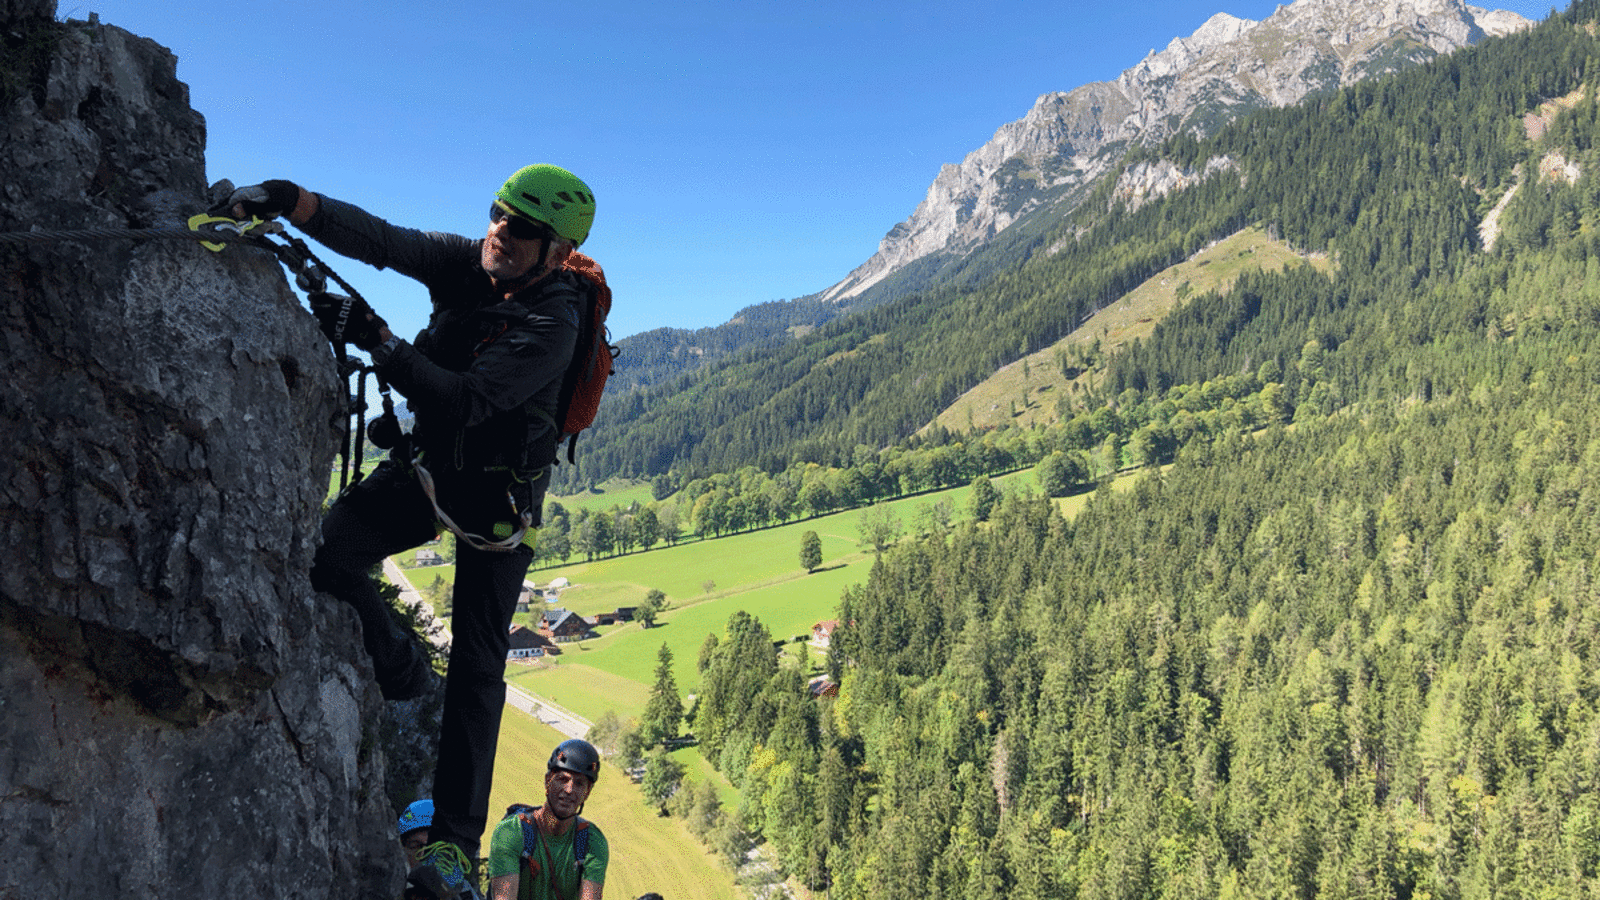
1227 67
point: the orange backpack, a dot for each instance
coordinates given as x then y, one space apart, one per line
592 358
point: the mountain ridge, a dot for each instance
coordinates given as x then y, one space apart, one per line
1227 66
1043 164
898 364
1068 134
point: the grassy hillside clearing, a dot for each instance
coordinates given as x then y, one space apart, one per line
1026 392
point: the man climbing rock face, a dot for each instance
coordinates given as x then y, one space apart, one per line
483 381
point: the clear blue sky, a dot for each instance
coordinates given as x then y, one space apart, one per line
740 152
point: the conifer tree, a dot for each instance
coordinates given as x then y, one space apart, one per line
662 776
664 711
983 499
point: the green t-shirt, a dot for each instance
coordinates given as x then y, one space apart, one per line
505 858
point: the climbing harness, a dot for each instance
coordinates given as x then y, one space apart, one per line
475 541
215 233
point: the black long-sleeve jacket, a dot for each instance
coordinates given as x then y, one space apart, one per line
483 378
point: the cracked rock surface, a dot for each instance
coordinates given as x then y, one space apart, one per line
180 714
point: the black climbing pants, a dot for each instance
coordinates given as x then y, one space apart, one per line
384 514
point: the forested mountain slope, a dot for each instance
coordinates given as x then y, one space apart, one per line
979 214
661 355
1355 657
1394 176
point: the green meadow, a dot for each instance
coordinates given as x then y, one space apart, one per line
705 581
609 494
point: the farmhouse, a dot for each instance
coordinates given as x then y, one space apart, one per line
561 625
623 614
527 643
822 633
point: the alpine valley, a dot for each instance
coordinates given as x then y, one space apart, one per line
1310 310
1288 341
679 399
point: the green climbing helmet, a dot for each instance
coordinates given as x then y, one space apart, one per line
552 195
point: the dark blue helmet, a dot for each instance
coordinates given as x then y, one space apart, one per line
576 755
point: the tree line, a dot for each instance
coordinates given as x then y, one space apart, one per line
1087 447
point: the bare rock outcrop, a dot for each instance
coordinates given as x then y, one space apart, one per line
180 714
1145 181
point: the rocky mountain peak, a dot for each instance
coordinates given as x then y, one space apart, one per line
1182 52
1228 67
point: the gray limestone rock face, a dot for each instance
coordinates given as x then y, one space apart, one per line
180 714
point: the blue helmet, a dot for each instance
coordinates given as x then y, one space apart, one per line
417 815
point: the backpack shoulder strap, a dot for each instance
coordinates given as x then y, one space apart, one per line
592 355
530 843
586 268
530 839
580 845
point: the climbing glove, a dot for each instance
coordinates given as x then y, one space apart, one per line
347 320
267 200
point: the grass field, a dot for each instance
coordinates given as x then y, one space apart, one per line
1025 392
612 493
648 852
757 572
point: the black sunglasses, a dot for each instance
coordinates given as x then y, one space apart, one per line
521 227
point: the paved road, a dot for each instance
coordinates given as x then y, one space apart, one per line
568 723
410 597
